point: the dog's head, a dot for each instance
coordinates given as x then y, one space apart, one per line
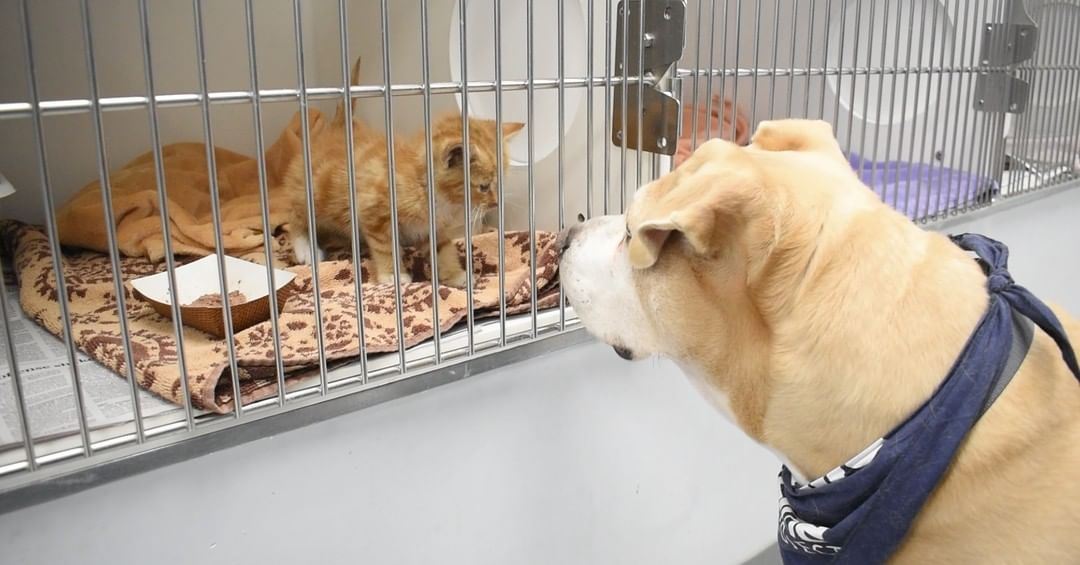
709 257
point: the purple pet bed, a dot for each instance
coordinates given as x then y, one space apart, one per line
919 190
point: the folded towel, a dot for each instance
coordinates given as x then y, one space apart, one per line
81 219
710 124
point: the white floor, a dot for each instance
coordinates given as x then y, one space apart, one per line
577 457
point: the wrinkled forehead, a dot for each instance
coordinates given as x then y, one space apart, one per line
649 196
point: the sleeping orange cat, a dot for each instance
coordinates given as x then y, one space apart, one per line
330 183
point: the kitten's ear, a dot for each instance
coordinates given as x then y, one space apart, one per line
512 128
454 156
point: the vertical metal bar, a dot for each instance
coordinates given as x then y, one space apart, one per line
470 316
1022 138
588 111
915 119
561 40
855 71
354 221
391 169
432 201
915 158
975 166
309 187
996 149
110 219
903 106
531 118
1053 71
624 12
723 64
51 229
970 59
866 82
640 91
215 203
840 67
791 54
996 144
946 189
677 88
881 96
499 157
163 205
756 63
709 85
775 53
697 76
607 106
738 43
825 58
1060 154
990 124
1035 75
16 382
1070 146
810 57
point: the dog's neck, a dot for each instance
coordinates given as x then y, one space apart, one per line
849 358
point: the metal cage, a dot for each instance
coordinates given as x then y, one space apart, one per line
943 106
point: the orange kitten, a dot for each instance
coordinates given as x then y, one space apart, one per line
331 189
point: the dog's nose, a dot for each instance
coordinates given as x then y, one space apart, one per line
566 236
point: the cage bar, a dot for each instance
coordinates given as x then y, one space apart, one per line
354 222
163 203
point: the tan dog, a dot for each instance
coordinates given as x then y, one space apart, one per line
818 319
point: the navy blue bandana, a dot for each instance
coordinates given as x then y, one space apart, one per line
861 511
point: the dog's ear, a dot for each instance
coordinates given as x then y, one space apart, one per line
797 135
649 237
702 201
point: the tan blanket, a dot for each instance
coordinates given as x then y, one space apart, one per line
81 219
96 327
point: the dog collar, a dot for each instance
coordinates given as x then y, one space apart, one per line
861 511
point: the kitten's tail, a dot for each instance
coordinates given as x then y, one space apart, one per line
354 80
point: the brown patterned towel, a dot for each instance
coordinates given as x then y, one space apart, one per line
88 276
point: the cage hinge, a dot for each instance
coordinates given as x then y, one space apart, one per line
1006 45
658 34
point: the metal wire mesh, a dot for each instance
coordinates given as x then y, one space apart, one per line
908 86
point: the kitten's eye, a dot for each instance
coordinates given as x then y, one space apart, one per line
485 187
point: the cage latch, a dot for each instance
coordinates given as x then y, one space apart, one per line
1005 45
658 34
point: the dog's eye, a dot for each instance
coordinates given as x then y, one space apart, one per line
485 187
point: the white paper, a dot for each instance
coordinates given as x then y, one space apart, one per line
200 278
45 374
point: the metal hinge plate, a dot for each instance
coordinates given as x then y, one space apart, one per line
1006 45
661 33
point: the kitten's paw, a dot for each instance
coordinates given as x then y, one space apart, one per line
301 246
388 278
456 279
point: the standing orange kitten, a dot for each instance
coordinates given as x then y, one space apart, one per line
329 173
